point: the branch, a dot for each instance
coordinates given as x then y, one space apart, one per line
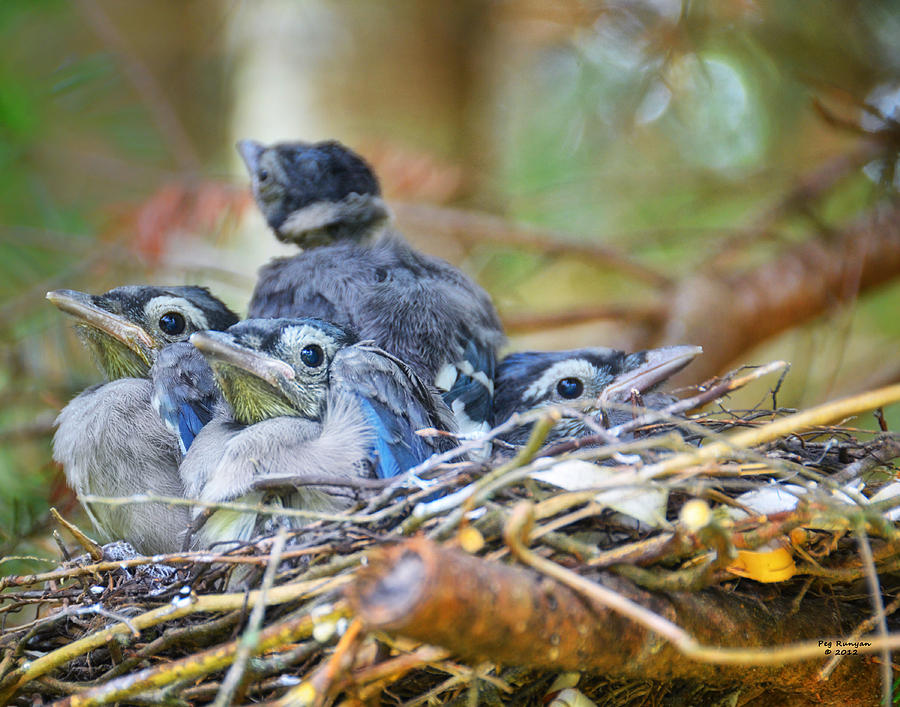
800 284
190 605
485 610
198 664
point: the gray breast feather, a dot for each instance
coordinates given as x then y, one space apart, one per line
111 442
227 459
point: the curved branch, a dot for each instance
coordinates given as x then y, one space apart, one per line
730 314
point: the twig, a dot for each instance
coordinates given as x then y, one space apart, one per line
250 638
707 395
376 677
792 424
316 688
194 666
90 546
865 550
183 607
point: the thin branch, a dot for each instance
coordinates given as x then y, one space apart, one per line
249 643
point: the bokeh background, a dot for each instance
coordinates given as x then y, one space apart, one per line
614 173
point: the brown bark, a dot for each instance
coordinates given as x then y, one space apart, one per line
728 315
486 610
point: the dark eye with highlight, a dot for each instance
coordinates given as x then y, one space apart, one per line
263 175
312 355
570 388
172 323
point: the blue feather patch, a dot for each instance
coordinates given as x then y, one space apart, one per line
396 448
473 389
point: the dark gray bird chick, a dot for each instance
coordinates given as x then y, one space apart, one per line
127 436
587 379
358 272
305 398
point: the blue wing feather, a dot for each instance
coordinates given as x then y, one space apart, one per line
395 404
473 388
184 391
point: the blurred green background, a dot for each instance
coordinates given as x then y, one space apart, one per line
687 155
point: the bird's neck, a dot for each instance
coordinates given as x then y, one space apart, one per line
356 218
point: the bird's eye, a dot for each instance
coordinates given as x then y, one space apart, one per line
262 175
312 355
172 323
570 388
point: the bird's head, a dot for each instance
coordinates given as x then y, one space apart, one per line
313 194
126 327
587 379
271 367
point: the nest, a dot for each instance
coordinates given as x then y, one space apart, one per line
488 583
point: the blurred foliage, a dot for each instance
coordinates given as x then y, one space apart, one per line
662 128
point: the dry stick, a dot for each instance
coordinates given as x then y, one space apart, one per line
315 687
376 677
513 616
888 448
250 638
469 444
475 492
207 603
90 546
865 549
170 637
791 424
219 505
176 558
262 667
199 664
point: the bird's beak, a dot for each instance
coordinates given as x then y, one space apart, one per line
657 366
221 348
81 306
250 150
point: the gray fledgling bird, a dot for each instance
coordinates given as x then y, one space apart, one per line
359 272
588 379
127 436
305 397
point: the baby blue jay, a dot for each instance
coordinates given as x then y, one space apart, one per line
588 379
127 436
358 272
304 398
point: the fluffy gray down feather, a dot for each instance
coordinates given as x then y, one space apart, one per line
111 442
227 458
413 305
